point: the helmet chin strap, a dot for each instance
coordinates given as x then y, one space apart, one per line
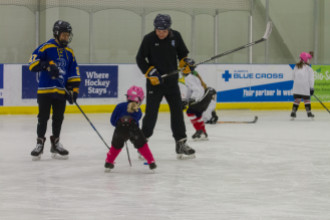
62 43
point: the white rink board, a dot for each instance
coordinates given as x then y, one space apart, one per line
129 74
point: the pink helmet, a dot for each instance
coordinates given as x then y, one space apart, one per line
135 94
305 57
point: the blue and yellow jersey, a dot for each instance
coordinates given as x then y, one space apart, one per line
66 62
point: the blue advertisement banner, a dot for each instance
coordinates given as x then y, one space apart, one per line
255 83
1 84
96 82
274 92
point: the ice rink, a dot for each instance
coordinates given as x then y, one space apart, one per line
274 169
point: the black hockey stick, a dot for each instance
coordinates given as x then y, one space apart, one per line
321 103
69 94
265 37
128 155
240 122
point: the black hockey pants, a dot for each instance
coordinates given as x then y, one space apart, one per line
173 97
45 103
127 131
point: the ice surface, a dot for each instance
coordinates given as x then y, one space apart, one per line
274 169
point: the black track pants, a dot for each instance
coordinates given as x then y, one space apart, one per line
173 98
45 103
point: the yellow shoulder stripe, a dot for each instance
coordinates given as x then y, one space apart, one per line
46 46
70 50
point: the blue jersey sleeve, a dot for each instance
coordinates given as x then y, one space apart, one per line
114 116
38 61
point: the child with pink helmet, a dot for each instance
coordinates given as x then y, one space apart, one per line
125 118
304 56
303 84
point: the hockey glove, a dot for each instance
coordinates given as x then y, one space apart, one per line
187 103
43 65
154 76
184 104
191 102
53 70
312 92
133 107
125 121
72 97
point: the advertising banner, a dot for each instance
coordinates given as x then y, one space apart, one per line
1 84
97 81
322 82
254 83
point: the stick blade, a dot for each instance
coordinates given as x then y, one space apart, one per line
268 31
239 122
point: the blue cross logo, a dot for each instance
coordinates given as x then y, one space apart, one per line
226 75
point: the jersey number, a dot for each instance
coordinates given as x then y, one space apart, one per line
32 58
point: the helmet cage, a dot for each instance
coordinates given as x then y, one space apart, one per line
62 27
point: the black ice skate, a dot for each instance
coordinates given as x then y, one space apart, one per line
310 115
57 150
214 118
39 149
184 151
108 167
293 115
152 166
200 135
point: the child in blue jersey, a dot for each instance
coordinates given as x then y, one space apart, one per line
125 118
57 67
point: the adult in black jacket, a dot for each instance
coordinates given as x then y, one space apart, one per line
158 54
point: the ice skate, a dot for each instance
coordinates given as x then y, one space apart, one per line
57 149
39 149
108 167
310 115
152 166
214 118
200 135
184 151
293 115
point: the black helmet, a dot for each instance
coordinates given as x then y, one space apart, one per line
162 22
60 27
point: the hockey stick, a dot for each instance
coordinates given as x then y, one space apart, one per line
267 33
68 93
321 103
240 122
128 155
